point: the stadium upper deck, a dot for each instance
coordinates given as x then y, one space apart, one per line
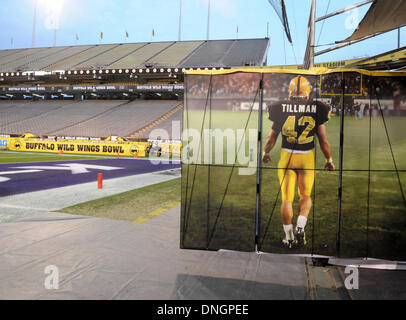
185 54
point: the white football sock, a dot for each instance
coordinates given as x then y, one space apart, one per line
288 232
301 222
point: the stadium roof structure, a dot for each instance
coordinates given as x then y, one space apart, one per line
173 54
390 60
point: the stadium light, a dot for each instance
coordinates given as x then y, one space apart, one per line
120 71
81 71
147 71
176 70
18 74
75 72
154 70
2 74
69 72
162 70
7 74
113 71
140 70
183 70
127 71
107 71
87 71
169 70
12 74
94 71
100 71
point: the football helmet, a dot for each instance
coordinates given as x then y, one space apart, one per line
299 88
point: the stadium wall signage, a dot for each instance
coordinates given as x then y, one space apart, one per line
127 149
97 88
237 203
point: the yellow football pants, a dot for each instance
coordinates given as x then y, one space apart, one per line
294 167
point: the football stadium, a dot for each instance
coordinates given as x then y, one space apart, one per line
153 171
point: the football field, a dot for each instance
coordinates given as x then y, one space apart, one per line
220 203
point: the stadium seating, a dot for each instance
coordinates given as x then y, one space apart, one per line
172 122
91 118
171 54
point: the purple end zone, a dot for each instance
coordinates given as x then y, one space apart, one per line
22 181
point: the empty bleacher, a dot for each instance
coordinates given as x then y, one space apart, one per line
172 126
13 113
227 53
81 57
121 121
90 118
44 117
139 57
179 54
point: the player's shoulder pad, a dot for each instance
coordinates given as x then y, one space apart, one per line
271 109
324 111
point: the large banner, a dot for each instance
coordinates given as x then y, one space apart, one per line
300 162
76 146
93 88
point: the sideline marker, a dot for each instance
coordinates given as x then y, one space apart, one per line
100 181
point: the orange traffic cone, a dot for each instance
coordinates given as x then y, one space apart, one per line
100 181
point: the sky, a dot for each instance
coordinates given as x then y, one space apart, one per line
88 18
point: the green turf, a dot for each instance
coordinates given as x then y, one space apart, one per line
215 221
131 205
15 157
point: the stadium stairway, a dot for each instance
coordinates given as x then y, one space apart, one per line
135 134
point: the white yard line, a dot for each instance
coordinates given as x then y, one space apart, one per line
20 206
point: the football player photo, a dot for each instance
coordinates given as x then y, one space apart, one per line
298 120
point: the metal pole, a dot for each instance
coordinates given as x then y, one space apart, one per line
259 164
398 38
312 32
267 30
54 44
347 44
340 176
180 21
34 24
208 22
343 10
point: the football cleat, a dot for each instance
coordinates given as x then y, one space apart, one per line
300 237
289 244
